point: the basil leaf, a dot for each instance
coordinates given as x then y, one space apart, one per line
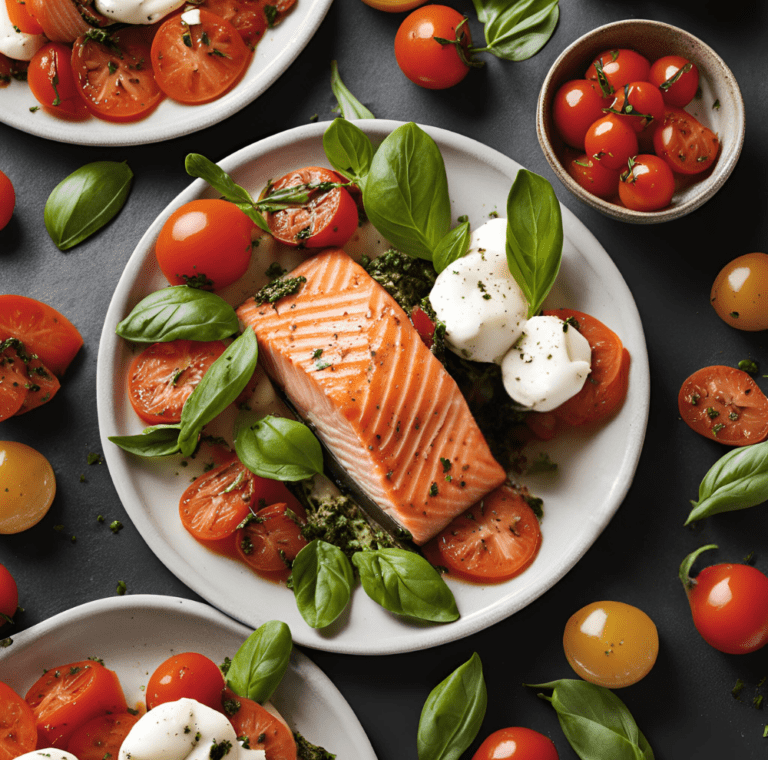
452 247
405 194
85 201
534 237
349 106
737 480
596 722
405 583
199 166
322 582
453 713
261 661
179 312
220 386
348 149
277 447
155 441
516 29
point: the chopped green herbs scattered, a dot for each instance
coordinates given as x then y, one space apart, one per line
279 289
749 366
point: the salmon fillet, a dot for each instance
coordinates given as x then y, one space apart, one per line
353 365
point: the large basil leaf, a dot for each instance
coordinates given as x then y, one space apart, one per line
596 722
322 582
453 713
348 149
155 441
404 582
85 201
452 247
349 106
277 447
220 386
261 661
179 312
534 237
737 480
516 29
405 194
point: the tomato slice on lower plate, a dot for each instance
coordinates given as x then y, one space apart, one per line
247 16
262 729
494 541
101 737
198 63
725 405
18 732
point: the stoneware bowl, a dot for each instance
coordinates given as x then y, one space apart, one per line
718 105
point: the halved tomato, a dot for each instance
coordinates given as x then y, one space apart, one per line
42 386
18 733
684 143
101 737
263 730
52 81
247 16
13 382
21 18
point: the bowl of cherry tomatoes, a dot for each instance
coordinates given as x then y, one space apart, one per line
641 120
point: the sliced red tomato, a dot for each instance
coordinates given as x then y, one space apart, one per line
43 331
328 219
607 384
9 596
101 737
198 63
247 16
684 143
263 730
114 76
21 18
187 675
13 382
42 385
725 405
52 82
162 377
18 732
424 325
65 698
494 541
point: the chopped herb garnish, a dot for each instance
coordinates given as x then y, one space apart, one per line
279 289
116 526
95 458
121 588
737 689
433 490
749 366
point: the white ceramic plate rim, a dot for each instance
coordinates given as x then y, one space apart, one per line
42 642
634 413
274 54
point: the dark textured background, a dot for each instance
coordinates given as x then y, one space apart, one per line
684 706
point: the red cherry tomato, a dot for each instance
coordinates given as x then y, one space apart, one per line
263 730
593 176
52 81
247 16
615 68
102 737
20 17
9 596
425 61
7 200
725 405
677 78
685 144
640 105
647 185
207 241
516 743
729 604
18 732
188 675
611 142
576 106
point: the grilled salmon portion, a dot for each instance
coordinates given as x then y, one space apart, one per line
351 362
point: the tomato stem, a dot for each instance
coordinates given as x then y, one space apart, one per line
687 564
458 43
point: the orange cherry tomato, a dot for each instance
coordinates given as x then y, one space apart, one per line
740 292
188 675
29 487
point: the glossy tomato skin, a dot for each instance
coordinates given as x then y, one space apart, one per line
206 239
684 143
516 743
421 58
729 604
189 675
593 176
682 91
29 486
576 106
52 81
20 17
611 142
648 185
7 200
264 730
725 405
620 66
18 731
9 595
640 105
740 292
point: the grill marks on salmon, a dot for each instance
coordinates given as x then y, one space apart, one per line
354 367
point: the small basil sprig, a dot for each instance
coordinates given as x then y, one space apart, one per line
452 247
405 583
737 480
85 201
221 385
405 193
595 721
322 582
349 106
179 312
277 447
261 661
534 237
453 713
348 149
516 29
155 441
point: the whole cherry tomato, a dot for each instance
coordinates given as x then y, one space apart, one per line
615 68
729 604
516 743
432 47
593 176
189 675
611 142
677 78
740 292
7 200
647 185
639 104
576 106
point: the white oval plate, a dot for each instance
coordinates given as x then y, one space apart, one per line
278 49
595 467
134 634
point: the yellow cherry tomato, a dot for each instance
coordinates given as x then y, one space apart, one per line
27 487
611 644
740 292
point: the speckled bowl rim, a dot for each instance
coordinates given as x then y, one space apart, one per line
729 153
